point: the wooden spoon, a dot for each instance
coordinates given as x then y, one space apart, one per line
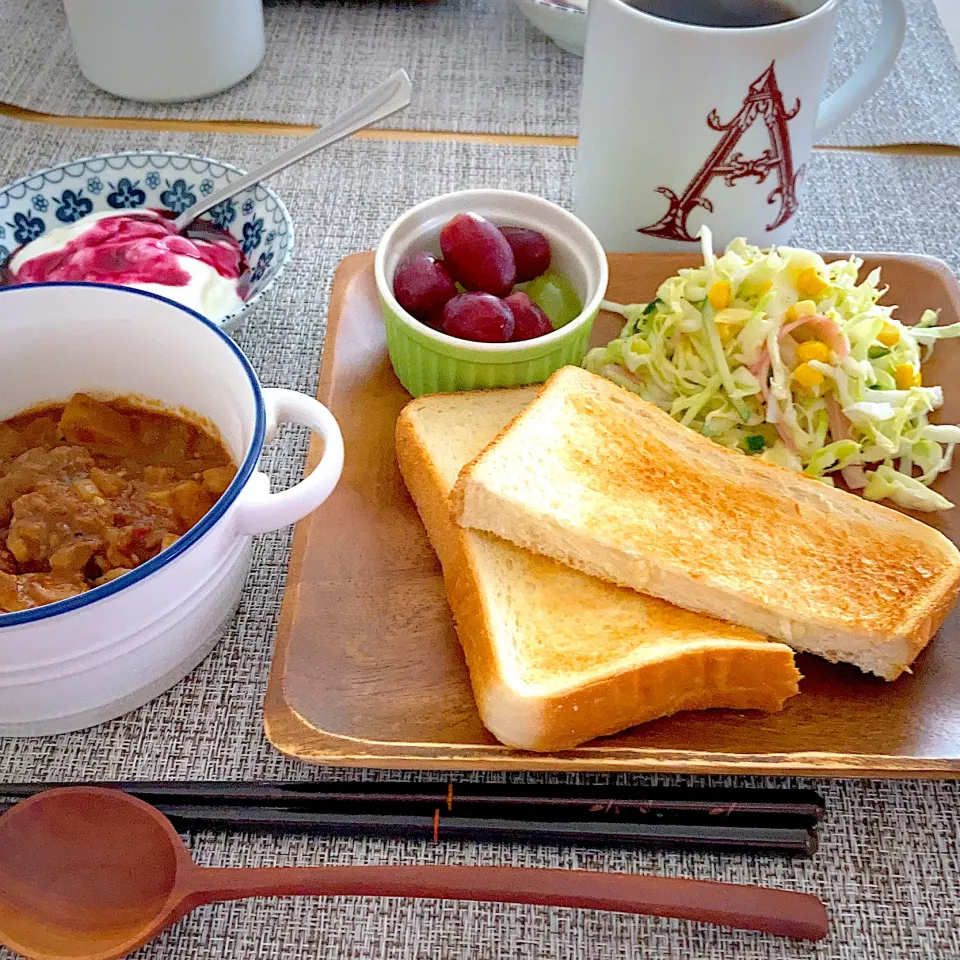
88 873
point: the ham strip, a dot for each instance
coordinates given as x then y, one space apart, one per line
788 350
839 424
826 330
854 476
829 332
786 437
760 368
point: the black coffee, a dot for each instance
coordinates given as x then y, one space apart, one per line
720 13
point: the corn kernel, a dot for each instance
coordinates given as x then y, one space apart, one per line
727 331
889 335
813 350
807 376
802 308
809 283
719 295
907 376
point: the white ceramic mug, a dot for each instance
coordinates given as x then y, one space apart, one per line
683 125
166 52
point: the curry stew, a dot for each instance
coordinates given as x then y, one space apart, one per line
90 490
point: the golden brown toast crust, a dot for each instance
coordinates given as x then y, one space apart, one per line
720 667
655 493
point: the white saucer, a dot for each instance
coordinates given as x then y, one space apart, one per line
563 21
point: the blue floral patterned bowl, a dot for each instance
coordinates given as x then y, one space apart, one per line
50 198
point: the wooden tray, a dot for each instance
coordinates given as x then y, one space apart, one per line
367 669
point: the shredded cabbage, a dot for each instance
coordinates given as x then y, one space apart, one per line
783 356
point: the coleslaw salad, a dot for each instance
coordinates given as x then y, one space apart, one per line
791 359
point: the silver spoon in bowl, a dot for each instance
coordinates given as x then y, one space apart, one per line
392 95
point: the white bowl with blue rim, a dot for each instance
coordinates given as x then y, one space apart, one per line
158 179
94 656
563 21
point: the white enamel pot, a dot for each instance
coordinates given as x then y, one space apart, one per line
93 657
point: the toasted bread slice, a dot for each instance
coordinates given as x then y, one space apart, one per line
595 477
557 657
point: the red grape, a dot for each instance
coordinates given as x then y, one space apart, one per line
478 255
478 316
422 286
531 251
529 320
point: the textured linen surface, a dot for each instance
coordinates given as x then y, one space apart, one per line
476 64
888 867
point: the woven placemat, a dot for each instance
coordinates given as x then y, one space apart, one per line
476 65
889 865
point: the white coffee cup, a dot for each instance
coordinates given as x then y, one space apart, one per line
166 52
683 125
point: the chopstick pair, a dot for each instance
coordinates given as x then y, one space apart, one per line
773 821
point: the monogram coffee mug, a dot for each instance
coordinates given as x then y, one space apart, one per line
684 124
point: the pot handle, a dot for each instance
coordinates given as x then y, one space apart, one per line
259 510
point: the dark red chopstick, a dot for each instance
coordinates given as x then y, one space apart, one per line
594 802
761 821
789 841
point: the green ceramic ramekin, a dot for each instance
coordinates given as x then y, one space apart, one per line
428 361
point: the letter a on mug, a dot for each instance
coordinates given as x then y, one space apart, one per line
763 104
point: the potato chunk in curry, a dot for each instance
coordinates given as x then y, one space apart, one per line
90 490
